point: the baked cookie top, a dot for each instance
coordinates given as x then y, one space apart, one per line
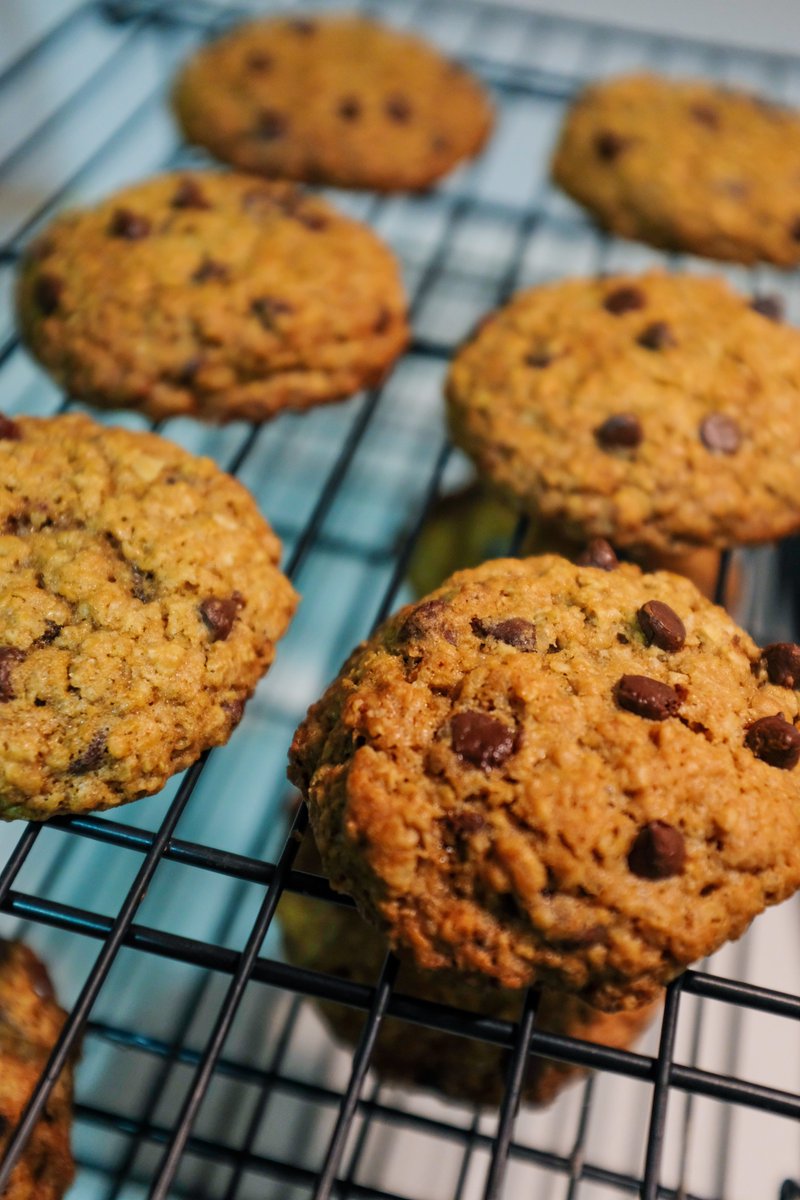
140 603
557 773
30 1022
332 938
687 165
212 295
332 99
659 411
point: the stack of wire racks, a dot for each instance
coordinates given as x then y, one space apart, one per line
206 1071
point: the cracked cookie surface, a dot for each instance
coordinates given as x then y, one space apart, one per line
140 603
333 939
30 1022
339 99
658 411
219 296
537 774
686 165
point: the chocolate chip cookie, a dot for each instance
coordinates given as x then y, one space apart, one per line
30 1022
334 940
686 165
659 411
140 603
575 775
332 99
212 295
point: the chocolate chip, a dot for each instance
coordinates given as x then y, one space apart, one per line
661 626
775 741
9 655
647 697
783 663
658 851
398 108
51 631
5 1125
271 124
538 359
598 553
43 987
47 292
624 299
440 144
769 306
467 821
426 618
513 631
186 373
259 60
609 145
234 710
720 434
143 586
623 429
91 757
268 309
210 269
382 321
794 231
129 225
219 615
302 27
349 108
312 220
657 336
482 740
9 430
704 114
190 195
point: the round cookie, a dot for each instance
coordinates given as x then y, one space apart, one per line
341 100
333 939
211 295
30 1022
555 773
659 411
140 603
686 165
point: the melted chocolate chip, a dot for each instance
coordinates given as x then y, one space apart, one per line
465 822
301 27
775 741
398 108
47 292
704 114
9 430
647 697
661 626
782 660
268 309
513 631
770 306
234 710
128 225
259 60
9 656
208 270
624 299
91 757
657 336
425 619
538 359
658 851
189 194
720 434
609 145
349 108
621 430
219 614
598 553
482 740
271 124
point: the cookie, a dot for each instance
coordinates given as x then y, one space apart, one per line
140 603
570 775
341 100
686 165
30 1022
217 296
659 411
334 940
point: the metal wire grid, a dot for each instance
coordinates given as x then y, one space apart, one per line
369 474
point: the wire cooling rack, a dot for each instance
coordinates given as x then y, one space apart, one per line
205 1072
